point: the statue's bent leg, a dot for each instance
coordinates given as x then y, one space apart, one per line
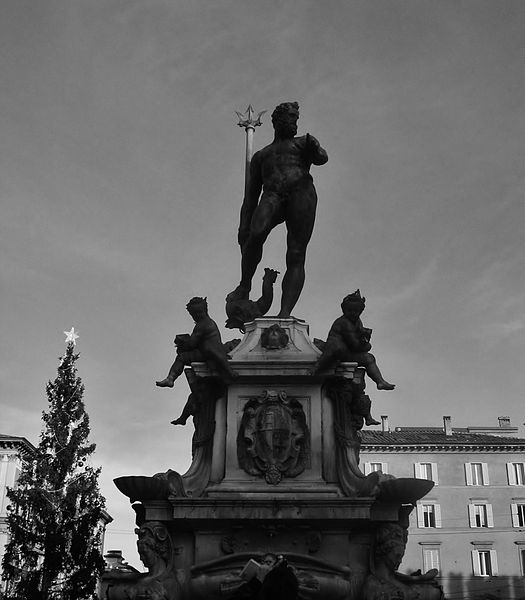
265 218
368 361
189 409
175 371
222 365
331 354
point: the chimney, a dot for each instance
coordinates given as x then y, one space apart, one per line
113 559
504 422
384 424
447 425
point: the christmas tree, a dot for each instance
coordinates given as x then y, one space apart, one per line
56 510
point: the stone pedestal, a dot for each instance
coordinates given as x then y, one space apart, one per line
275 469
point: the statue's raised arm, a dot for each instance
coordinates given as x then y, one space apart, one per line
318 154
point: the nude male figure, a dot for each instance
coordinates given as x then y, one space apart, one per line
282 171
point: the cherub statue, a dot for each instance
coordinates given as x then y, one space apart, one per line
241 310
204 344
349 341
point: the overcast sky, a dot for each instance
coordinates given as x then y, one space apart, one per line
122 178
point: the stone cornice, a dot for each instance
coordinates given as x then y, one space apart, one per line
17 444
272 509
432 448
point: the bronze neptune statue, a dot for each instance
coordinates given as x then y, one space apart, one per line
281 171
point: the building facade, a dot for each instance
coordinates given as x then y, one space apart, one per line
14 451
471 526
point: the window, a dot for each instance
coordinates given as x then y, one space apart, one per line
370 467
476 473
522 561
431 559
517 512
484 563
428 515
426 471
516 473
480 515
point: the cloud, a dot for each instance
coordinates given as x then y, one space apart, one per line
419 284
491 332
499 288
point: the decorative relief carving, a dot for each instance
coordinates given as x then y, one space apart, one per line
313 542
274 338
273 438
230 544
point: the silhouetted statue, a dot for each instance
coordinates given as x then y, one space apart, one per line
204 344
241 310
156 551
385 582
349 341
281 171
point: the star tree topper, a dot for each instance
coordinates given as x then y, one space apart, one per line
71 336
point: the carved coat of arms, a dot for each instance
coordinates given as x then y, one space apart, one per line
273 438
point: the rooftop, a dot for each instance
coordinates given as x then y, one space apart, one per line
435 436
500 436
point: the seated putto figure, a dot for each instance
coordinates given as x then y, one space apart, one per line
204 344
349 341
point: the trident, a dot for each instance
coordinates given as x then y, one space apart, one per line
249 124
